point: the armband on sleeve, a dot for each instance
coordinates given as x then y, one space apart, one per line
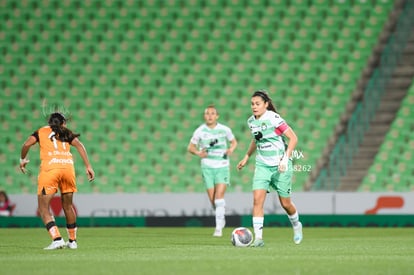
36 135
281 128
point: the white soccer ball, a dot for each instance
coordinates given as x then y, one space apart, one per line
241 237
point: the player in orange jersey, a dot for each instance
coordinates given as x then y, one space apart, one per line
56 173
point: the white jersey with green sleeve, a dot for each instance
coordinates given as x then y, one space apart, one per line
216 142
267 132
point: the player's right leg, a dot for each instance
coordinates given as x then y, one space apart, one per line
220 207
222 180
208 179
46 189
259 196
261 184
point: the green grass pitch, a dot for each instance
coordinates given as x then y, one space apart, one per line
193 250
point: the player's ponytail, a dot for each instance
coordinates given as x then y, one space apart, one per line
266 98
56 121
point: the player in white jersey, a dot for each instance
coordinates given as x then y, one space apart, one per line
214 143
273 163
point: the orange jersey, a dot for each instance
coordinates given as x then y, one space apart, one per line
54 154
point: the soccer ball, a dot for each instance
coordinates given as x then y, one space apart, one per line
241 237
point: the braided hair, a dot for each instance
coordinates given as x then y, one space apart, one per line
56 121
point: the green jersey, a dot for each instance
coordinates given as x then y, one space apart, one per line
216 142
267 132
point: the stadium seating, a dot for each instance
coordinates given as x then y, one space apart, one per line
393 168
135 77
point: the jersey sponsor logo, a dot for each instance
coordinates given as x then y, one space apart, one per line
258 135
61 161
257 130
213 142
59 153
261 147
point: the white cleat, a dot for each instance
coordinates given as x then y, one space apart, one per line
56 245
71 245
218 233
297 234
257 243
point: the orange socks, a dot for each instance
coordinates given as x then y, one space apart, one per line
71 229
53 231
55 234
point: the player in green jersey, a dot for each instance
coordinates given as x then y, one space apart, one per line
214 143
273 163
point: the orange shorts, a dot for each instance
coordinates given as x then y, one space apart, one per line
49 182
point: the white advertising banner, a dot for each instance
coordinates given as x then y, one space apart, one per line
197 204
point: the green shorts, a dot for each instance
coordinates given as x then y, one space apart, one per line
213 176
268 176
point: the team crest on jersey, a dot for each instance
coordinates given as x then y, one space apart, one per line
263 126
258 135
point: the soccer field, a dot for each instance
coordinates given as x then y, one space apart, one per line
128 250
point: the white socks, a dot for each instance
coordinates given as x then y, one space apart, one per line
258 227
220 205
294 219
258 224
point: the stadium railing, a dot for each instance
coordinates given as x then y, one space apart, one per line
348 143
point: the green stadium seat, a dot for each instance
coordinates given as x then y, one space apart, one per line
136 79
393 154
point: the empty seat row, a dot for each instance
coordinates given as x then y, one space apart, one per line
136 77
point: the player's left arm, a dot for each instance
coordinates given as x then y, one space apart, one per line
82 152
292 141
232 147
